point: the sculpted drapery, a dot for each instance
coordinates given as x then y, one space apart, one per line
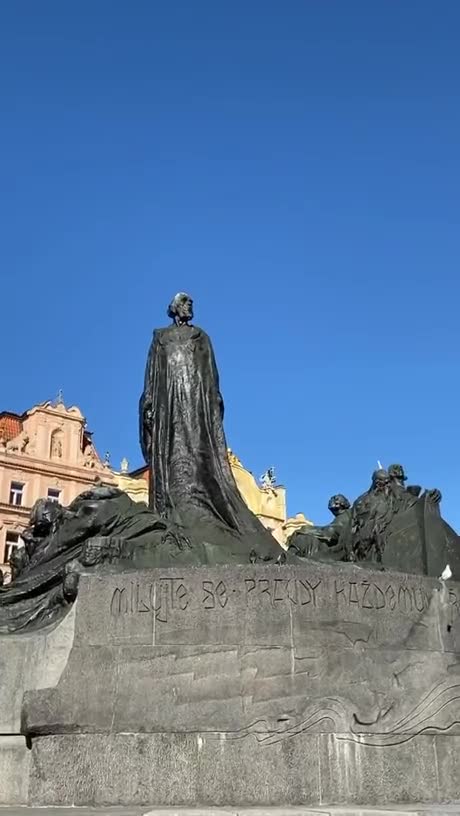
183 439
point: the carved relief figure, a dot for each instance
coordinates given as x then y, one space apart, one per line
56 445
89 457
19 444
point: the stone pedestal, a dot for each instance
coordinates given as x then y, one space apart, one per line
248 686
26 662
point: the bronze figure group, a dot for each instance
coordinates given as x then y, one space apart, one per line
196 515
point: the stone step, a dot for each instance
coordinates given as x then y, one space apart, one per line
409 810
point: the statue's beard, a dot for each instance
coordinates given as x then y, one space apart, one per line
185 318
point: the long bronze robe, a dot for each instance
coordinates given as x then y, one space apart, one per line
184 443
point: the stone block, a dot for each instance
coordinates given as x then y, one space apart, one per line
84 700
14 770
355 772
447 749
104 598
260 605
171 769
14 660
31 661
51 650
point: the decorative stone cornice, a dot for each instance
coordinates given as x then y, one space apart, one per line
15 509
52 468
73 413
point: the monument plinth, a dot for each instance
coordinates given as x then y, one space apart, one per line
252 685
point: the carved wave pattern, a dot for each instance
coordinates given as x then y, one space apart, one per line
437 713
330 710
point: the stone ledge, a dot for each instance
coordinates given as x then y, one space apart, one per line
411 810
194 771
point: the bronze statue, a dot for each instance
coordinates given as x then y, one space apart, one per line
101 526
323 542
370 516
398 477
183 441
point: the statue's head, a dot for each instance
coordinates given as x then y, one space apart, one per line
396 473
180 310
43 515
17 560
338 504
380 480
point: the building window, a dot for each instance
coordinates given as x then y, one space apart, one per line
16 493
54 494
12 540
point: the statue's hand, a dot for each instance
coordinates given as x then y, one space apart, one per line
147 412
71 580
146 444
98 549
146 430
312 546
434 495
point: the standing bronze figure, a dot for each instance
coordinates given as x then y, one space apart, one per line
183 440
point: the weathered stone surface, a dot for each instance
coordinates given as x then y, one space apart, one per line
353 771
116 810
254 650
14 661
14 770
208 769
251 686
448 766
31 662
166 768
26 662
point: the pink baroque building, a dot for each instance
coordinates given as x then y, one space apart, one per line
47 452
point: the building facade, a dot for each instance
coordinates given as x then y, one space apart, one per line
47 452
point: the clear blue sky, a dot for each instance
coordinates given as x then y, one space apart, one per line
294 165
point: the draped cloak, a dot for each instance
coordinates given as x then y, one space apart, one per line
36 597
183 441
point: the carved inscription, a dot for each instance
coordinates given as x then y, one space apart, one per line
454 603
167 596
214 595
369 595
159 597
277 591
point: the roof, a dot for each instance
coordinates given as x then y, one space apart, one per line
140 473
10 425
